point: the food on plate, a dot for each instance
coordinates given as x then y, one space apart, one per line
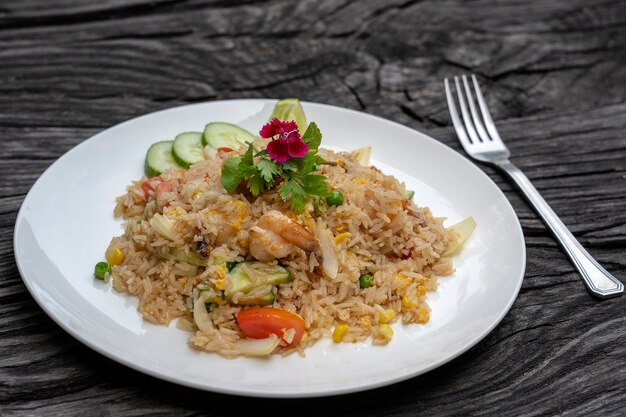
265 244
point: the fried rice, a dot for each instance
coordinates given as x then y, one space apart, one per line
377 231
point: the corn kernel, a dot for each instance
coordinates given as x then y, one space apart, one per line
339 333
385 331
114 257
361 181
424 315
220 271
387 316
341 237
421 290
405 282
409 302
220 284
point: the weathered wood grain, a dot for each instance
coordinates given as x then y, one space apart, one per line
555 75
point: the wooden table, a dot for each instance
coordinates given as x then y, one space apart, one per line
555 75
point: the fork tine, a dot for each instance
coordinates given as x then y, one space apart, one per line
491 127
456 121
469 126
478 124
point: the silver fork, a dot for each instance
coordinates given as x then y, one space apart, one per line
480 139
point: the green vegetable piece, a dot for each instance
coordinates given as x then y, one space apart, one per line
312 137
230 265
262 274
188 149
335 198
225 135
138 221
409 194
159 158
101 269
191 258
366 281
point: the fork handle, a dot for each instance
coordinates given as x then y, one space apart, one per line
597 279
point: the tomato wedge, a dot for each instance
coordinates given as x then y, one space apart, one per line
259 323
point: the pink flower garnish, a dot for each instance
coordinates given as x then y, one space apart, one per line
286 142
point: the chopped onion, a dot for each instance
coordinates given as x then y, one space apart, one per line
330 264
362 156
257 347
163 226
201 316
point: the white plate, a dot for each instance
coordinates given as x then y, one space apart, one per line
66 223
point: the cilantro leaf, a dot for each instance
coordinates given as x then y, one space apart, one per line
256 185
230 174
294 191
248 156
267 169
298 183
294 164
246 166
312 137
310 163
315 185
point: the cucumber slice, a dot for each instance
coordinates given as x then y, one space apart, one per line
159 158
225 135
187 149
190 258
248 275
259 300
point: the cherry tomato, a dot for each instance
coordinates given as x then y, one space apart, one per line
259 323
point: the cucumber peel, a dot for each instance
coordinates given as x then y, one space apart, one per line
188 149
159 158
225 135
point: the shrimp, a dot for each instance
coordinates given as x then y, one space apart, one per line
225 218
276 236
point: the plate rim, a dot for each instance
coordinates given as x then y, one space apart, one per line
250 392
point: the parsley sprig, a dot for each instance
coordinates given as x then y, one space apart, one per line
295 178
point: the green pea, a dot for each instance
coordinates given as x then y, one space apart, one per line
101 269
335 198
366 281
